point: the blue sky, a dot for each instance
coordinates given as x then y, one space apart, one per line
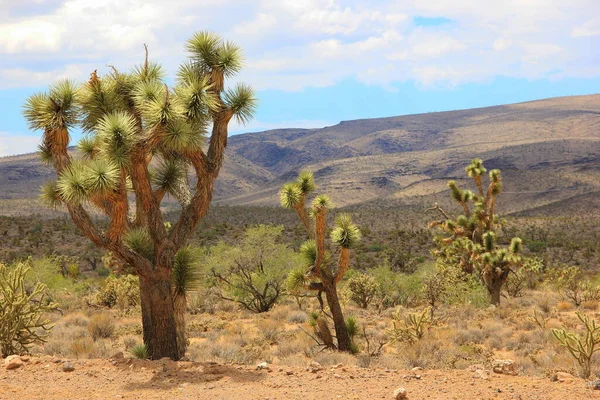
314 62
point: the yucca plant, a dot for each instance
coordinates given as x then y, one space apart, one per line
322 273
470 240
141 140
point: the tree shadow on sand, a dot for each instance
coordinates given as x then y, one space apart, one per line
169 374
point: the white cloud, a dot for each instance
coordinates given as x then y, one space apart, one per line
295 44
11 144
589 28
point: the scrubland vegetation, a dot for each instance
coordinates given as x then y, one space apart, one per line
406 300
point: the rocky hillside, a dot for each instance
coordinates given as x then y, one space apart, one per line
549 151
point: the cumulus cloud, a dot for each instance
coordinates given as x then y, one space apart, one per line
293 44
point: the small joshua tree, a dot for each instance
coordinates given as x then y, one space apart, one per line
21 311
470 241
142 138
322 274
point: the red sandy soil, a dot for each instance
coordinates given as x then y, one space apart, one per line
43 378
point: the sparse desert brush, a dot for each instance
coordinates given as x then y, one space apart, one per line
565 306
75 319
82 347
465 336
130 341
591 305
280 312
293 346
297 317
329 358
270 330
102 325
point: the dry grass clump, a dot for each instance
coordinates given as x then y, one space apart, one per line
270 330
101 325
76 319
565 306
297 317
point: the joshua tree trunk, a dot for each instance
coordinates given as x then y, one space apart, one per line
158 319
341 331
495 292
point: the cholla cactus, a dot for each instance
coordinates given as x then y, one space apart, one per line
322 273
142 138
21 311
581 348
469 241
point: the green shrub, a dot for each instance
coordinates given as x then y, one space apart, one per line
362 288
21 312
122 291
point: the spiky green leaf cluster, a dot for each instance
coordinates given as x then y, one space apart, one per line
290 194
242 102
139 240
116 137
322 201
308 250
53 110
345 234
186 275
476 168
306 181
211 53
50 195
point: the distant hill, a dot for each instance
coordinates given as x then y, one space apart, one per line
549 151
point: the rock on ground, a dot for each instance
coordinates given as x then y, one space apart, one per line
399 394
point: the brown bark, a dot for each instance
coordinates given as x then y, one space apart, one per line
320 225
341 331
343 264
304 217
180 306
158 318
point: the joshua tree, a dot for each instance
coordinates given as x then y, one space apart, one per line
469 241
141 138
323 274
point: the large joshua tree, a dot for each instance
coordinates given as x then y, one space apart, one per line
322 273
141 139
470 240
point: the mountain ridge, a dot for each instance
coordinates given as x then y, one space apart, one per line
551 145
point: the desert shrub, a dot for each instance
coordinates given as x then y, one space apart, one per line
76 319
270 330
362 289
389 286
101 326
253 273
297 317
83 346
21 312
122 292
526 277
410 328
569 283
